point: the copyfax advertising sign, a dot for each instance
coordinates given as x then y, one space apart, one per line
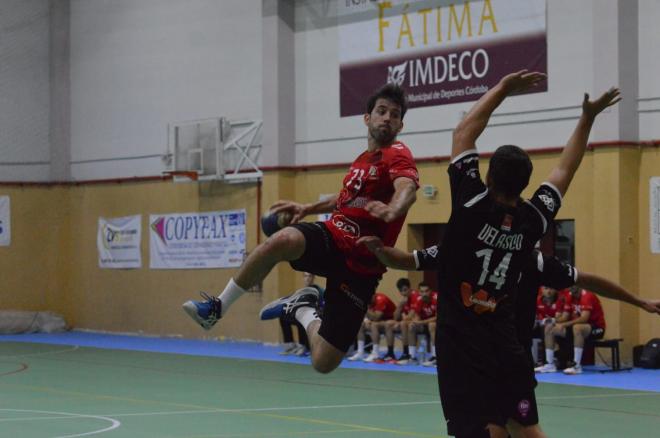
197 240
441 52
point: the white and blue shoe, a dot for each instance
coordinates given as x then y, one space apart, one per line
205 313
286 306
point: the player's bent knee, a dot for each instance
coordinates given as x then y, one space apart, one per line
288 242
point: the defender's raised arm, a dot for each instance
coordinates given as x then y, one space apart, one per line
475 121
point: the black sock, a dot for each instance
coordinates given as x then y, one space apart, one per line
390 350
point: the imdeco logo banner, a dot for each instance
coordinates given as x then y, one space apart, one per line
197 240
441 52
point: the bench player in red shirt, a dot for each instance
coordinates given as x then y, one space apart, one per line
584 320
376 194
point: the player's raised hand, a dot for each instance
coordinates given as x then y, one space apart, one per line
593 108
521 80
373 243
297 210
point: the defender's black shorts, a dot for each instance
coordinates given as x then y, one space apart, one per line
347 293
482 382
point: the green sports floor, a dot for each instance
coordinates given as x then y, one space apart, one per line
67 389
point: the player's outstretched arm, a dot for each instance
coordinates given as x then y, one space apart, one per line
571 156
405 195
609 289
390 257
475 121
299 211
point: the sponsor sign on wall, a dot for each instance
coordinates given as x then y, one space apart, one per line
440 52
654 193
118 242
5 221
197 240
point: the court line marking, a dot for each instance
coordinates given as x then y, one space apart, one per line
44 353
114 423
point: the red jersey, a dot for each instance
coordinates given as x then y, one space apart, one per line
587 301
426 310
411 302
548 310
382 303
370 178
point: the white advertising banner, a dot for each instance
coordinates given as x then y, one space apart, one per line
440 52
118 242
654 207
5 221
197 240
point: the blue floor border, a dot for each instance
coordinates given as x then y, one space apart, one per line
636 379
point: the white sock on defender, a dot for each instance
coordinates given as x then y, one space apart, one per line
307 315
231 293
360 346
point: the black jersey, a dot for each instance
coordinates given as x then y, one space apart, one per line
540 270
484 249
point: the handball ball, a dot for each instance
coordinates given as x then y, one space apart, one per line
273 222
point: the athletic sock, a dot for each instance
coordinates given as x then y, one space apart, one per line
535 349
361 347
433 351
549 356
375 349
390 350
577 355
231 293
412 351
307 315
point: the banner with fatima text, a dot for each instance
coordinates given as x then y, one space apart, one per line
197 240
441 52
118 242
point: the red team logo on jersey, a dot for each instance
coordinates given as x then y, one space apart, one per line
480 302
347 226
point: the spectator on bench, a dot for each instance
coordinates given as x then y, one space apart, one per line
381 308
549 306
582 320
402 314
423 322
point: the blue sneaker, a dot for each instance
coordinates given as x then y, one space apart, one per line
205 313
286 307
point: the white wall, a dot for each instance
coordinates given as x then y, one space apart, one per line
649 69
531 121
137 65
24 90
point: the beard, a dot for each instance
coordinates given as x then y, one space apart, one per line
382 136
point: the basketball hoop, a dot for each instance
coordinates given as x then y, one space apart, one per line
181 175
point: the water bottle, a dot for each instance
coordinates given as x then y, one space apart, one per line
421 351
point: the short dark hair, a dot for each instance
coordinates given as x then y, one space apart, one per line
401 282
391 92
509 170
423 284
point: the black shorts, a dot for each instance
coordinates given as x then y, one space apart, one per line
347 293
482 383
522 408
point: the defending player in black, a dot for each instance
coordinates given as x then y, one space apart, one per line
483 371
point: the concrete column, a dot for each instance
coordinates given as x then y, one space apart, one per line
278 83
60 91
616 170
